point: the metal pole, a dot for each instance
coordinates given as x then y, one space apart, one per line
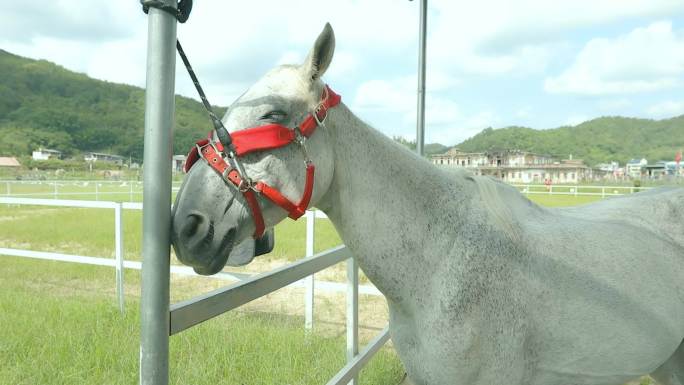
159 110
309 281
118 253
55 194
352 313
420 129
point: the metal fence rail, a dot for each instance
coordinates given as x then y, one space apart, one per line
193 311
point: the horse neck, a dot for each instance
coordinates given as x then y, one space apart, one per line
388 204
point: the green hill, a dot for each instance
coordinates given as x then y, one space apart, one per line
599 140
43 104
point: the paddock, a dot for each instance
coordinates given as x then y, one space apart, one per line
64 300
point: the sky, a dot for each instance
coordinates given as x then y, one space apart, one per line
490 63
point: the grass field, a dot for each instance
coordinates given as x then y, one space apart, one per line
60 326
59 323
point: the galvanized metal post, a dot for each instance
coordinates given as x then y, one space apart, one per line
422 32
118 253
309 281
159 111
352 313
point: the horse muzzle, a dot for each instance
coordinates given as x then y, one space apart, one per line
204 229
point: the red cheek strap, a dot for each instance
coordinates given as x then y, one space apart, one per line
294 211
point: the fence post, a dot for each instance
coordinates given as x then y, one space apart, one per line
130 194
352 313
576 190
55 193
8 189
550 189
118 252
97 191
603 192
159 111
309 281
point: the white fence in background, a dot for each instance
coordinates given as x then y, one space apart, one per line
249 287
578 190
75 189
129 190
119 261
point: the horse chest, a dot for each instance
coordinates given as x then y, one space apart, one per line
457 335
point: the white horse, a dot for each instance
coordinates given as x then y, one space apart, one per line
484 287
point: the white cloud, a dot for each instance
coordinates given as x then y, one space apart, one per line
646 59
612 105
501 36
444 120
666 109
575 120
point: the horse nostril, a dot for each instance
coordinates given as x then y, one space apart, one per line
192 224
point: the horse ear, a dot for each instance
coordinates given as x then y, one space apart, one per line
321 54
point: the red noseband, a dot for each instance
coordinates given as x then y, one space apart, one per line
264 138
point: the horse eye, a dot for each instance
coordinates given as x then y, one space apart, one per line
275 116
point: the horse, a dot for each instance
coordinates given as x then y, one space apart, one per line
483 286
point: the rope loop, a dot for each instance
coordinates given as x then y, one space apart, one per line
181 12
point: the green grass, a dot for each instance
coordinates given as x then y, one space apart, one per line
60 325
562 200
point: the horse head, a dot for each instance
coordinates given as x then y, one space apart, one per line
214 219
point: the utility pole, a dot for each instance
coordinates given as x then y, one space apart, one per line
420 124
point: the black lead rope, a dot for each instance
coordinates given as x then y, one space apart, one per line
221 131
182 13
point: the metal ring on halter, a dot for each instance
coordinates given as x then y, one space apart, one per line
246 185
301 141
320 122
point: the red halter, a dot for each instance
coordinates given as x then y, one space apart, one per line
264 138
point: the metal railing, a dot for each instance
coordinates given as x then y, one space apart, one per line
188 313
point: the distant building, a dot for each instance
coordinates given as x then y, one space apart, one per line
6 161
516 166
674 169
610 170
100 157
177 163
655 171
634 167
45 154
460 158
